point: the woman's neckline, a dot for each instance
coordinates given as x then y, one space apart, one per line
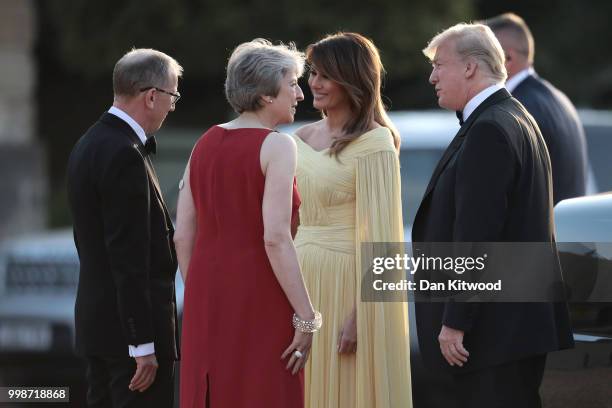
329 147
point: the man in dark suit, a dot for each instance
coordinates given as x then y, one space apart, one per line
492 184
552 110
125 312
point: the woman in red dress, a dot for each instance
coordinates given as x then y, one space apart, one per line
237 211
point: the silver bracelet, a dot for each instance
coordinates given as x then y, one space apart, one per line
308 326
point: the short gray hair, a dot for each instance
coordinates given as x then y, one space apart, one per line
256 68
473 41
141 68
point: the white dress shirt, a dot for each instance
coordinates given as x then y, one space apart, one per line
147 348
517 78
473 103
113 110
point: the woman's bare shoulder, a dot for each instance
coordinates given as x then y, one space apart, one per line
306 131
277 143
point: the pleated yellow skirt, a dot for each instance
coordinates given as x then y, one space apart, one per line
377 375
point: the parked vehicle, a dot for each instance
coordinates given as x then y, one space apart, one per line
582 377
38 282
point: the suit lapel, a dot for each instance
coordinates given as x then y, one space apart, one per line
158 194
137 143
153 177
458 140
448 153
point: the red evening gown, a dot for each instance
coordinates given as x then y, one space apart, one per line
236 317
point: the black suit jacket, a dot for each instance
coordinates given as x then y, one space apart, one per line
123 235
492 184
563 133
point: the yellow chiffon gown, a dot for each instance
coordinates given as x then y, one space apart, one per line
346 202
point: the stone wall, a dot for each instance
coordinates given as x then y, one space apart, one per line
23 182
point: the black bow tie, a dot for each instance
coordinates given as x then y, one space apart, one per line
151 145
460 117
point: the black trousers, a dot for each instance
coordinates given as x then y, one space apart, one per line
510 385
108 379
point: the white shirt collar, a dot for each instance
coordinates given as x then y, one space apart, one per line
128 119
473 103
517 78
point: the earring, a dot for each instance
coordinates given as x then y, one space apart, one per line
269 100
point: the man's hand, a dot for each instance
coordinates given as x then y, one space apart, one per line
146 369
451 345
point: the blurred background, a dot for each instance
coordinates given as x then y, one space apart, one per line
56 61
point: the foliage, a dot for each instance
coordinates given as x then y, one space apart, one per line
571 39
91 36
79 42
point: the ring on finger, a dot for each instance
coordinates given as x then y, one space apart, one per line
298 354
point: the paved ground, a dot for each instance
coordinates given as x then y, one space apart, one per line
576 387
590 388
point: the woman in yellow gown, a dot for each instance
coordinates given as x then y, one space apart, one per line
349 180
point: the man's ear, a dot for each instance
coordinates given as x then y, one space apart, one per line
149 98
511 60
470 68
